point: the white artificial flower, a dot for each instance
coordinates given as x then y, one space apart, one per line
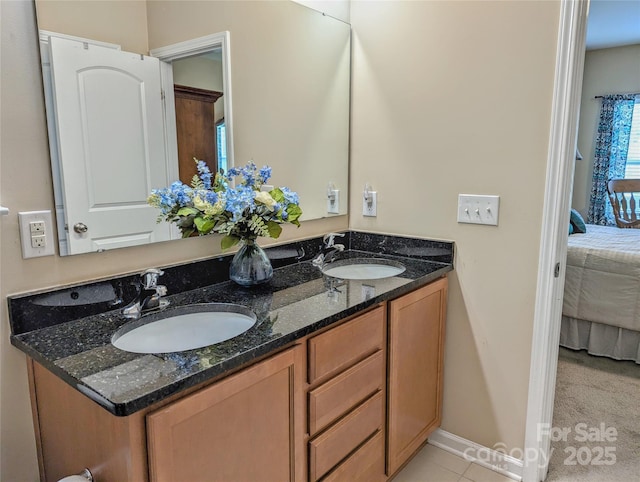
265 198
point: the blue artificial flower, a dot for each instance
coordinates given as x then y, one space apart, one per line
211 197
162 199
285 215
205 174
249 174
265 174
181 192
231 173
290 196
239 199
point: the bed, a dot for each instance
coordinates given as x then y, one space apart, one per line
601 309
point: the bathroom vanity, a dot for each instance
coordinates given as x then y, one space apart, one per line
338 380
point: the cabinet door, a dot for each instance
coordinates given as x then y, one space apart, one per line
247 427
416 340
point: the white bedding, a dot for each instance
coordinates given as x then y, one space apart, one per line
603 276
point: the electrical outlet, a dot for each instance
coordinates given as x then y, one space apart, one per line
38 241
333 201
36 234
36 227
370 205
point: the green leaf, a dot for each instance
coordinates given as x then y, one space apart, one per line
187 232
186 211
277 194
274 229
294 212
229 241
204 225
257 226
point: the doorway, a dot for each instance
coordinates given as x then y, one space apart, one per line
560 177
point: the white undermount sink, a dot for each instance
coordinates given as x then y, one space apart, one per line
363 268
184 328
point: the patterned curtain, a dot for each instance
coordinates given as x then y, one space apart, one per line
610 159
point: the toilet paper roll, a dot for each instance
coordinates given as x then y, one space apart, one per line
85 476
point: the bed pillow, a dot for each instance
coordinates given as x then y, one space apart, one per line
577 223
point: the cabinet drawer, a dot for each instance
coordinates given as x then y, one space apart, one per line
365 465
328 449
341 347
336 397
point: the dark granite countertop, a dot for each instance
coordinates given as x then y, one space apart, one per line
299 300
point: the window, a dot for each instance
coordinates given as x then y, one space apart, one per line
632 170
221 147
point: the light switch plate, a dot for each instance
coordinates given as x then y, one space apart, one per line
36 234
478 209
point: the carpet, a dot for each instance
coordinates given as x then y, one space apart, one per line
596 420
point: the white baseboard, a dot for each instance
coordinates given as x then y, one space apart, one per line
495 460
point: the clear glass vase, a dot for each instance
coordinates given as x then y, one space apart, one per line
250 265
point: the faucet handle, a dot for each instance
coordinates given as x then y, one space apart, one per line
329 238
150 278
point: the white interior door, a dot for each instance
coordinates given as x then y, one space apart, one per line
111 145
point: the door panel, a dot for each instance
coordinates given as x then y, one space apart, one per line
109 166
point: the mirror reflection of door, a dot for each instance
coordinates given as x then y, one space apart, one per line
195 129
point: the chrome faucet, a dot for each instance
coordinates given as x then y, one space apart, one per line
150 296
329 250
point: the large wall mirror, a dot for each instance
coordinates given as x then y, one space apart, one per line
274 76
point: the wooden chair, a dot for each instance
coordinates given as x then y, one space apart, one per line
624 195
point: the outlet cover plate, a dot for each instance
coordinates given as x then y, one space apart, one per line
370 208
28 249
333 206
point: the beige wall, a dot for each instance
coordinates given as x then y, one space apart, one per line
25 186
449 98
199 72
122 23
339 9
606 71
202 73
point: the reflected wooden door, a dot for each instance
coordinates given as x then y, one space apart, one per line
195 129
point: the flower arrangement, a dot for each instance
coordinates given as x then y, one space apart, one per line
240 212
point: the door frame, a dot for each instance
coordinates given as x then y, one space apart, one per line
567 93
189 48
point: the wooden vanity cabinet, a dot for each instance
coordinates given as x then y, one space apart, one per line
416 349
352 403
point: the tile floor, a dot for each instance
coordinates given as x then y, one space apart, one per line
433 464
